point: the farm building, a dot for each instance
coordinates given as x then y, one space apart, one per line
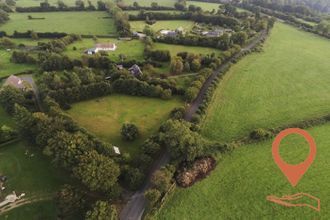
15 82
135 70
101 47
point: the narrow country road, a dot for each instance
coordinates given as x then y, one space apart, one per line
135 207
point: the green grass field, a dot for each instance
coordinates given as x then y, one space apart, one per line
69 22
105 116
206 6
131 49
174 49
38 210
286 83
33 175
160 25
7 68
238 187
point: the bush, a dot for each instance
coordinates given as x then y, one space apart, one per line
133 177
259 134
152 196
129 132
178 113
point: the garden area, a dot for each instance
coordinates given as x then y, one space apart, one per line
92 23
105 116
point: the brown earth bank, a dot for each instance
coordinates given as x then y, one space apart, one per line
188 175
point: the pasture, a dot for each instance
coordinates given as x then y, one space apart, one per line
238 187
135 48
174 49
93 23
30 172
163 25
206 6
7 68
105 116
286 83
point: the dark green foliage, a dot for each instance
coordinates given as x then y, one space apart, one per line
129 132
7 134
133 177
69 200
22 57
162 179
178 113
9 96
102 210
3 16
97 172
183 143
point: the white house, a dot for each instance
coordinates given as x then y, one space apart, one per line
105 47
101 47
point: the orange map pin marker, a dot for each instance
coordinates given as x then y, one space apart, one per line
293 172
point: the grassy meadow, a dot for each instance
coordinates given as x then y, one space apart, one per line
30 172
38 210
286 83
238 187
163 25
174 49
105 116
135 48
206 6
93 23
7 68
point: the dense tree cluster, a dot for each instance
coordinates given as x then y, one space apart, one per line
58 137
182 143
79 84
102 211
196 85
58 45
129 132
121 19
3 16
22 57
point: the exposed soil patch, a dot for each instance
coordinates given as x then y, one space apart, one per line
187 176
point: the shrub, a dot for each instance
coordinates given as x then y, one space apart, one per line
133 177
152 196
177 113
129 132
259 134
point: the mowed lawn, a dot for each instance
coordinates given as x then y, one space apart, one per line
286 83
105 116
131 49
238 187
93 23
163 25
175 49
